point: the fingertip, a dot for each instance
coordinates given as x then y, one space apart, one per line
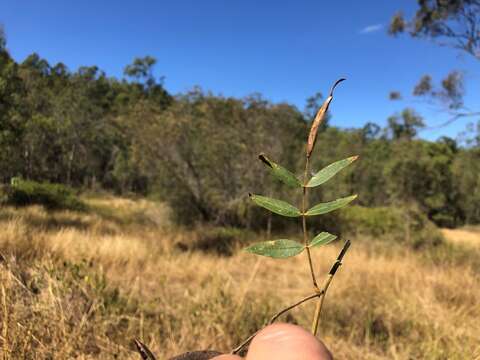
287 342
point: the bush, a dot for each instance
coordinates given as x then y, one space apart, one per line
216 240
390 223
51 196
378 221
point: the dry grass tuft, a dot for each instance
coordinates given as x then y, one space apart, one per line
466 236
82 286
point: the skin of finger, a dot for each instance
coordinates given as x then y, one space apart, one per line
287 342
227 357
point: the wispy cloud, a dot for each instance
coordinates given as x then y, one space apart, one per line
371 29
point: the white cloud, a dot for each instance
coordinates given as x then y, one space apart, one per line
371 29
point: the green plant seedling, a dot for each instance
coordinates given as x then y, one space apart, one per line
285 248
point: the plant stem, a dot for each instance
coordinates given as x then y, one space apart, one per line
280 313
274 318
318 294
304 224
5 324
305 239
318 309
329 279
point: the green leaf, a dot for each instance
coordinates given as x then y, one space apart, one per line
330 171
324 208
278 249
323 238
281 173
277 206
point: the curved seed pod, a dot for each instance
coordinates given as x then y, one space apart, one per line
312 136
197 355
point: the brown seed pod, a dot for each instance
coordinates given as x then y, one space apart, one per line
197 355
312 136
146 353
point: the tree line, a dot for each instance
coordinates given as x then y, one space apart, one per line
198 151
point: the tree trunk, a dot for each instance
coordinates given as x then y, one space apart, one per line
71 157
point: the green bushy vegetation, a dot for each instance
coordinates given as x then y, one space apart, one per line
51 196
216 240
377 221
390 223
86 130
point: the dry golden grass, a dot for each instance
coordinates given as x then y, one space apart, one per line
466 236
82 286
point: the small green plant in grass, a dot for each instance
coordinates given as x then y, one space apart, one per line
51 196
285 248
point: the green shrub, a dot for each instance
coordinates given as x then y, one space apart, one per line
377 221
51 196
395 223
216 240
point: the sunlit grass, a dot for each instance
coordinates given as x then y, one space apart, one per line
469 236
83 285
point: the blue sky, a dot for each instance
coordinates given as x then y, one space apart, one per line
287 50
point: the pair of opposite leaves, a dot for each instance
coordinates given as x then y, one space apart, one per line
284 248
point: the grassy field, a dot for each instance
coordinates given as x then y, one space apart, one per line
83 285
468 236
